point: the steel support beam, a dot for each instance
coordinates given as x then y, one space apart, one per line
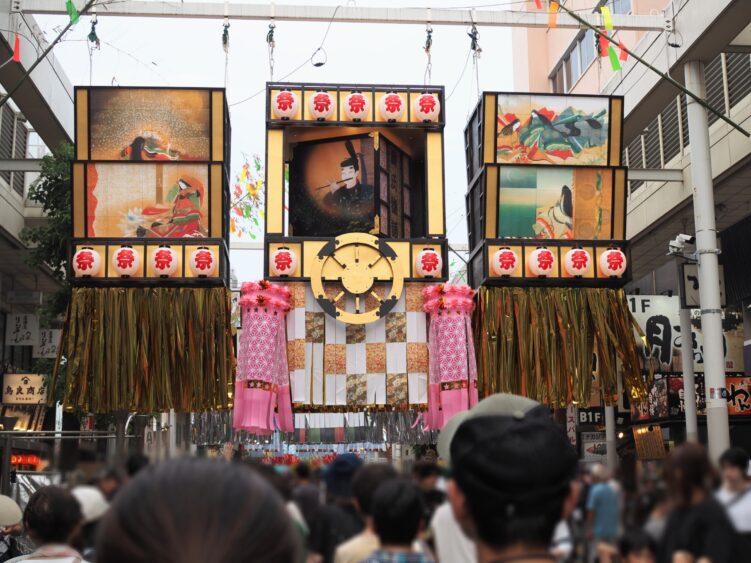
21 165
346 14
655 175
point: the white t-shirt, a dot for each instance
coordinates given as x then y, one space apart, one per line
562 541
451 545
739 509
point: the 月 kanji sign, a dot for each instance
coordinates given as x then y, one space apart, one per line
21 330
49 340
24 389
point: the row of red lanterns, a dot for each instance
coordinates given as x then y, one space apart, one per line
126 261
392 105
24 459
542 262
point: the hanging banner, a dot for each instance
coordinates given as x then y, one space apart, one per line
739 395
24 389
49 340
594 447
21 330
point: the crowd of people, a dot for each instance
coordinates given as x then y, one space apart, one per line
511 490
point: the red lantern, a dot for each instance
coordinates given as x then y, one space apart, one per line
126 260
285 104
321 105
164 261
357 106
86 262
427 107
429 264
613 262
283 262
202 262
392 106
577 262
504 262
542 262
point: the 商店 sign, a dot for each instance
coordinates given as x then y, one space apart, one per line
24 389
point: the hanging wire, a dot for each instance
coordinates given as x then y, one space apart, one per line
92 36
271 44
427 47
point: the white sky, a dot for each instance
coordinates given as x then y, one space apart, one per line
183 52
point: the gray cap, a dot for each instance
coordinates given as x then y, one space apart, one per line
10 512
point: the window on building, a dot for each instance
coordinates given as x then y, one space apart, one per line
7 133
19 151
684 121
587 48
652 146
739 76
671 142
620 6
715 88
635 159
559 82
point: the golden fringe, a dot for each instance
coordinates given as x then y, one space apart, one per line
148 350
541 342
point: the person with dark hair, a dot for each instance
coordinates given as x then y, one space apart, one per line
398 513
512 468
426 474
637 546
135 463
697 529
364 484
735 493
306 494
338 520
93 508
110 482
198 510
52 519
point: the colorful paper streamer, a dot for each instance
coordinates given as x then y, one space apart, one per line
607 17
604 44
72 11
624 54
614 62
17 49
552 14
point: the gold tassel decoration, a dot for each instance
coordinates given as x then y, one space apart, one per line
148 350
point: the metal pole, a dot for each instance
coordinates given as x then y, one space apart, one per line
718 430
610 437
689 391
7 452
121 418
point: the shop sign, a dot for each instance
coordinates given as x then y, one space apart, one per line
24 389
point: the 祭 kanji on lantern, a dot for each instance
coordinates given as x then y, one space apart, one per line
613 262
577 262
126 261
356 106
427 107
391 106
86 262
285 104
164 261
202 262
321 105
429 263
504 262
542 262
283 262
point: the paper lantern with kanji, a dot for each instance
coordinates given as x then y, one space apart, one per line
613 262
504 262
357 106
126 260
542 262
392 106
283 262
427 107
285 104
429 264
202 262
164 261
577 262
86 262
321 105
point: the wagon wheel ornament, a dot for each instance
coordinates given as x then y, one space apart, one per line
357 261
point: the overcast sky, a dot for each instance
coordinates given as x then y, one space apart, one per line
183 52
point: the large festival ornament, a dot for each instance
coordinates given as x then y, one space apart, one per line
429 264
202 262
285 104
321 105
542 262
427 107
392 106
504 262
613 262
86 262
577 262
126 260
283 262
164 261
356 106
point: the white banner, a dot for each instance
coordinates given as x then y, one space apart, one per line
49 340
21 330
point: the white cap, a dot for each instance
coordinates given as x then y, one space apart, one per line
92 501
10 512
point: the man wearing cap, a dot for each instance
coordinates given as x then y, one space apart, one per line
512 468
10 525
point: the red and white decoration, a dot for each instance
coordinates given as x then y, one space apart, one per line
202 262
577 262
321 105
542 262
429 264
126 260
283 262
504 262
613 262
86 262
392 106
427 107
285 104
357 106
164 261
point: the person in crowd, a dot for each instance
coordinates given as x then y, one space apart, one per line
563 546
735 493
364 484
10 527
110 482
512 468
194 511
697 528
637 546
451 544
426 474
135 463
93 508
603 511
338 520
52 520
398 511
657 512
306 494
